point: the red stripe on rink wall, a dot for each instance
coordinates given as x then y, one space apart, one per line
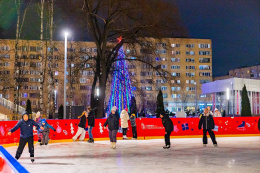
66 129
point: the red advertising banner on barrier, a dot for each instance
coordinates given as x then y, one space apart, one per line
66 129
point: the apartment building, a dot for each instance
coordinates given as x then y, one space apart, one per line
187 61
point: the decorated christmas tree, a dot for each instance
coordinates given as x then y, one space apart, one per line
121 85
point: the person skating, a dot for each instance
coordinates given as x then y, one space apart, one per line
91 123
46 132
38 119
124 122
168 125
208 124
26 135
81 127
133 124
209 111
113 126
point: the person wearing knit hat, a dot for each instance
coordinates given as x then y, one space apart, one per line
216 113
124 121
133 124
26 135
207 122
38 119
46 132
113 126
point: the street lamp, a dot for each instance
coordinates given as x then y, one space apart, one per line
228 100
195 98
233 99
65 73
55 100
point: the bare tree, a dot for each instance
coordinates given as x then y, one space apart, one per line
131 19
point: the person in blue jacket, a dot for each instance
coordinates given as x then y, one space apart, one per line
46 132
26 135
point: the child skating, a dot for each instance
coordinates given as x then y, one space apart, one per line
26 135
168 125
208 124
46 132
38 120
133 124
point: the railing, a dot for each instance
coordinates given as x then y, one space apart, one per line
10 105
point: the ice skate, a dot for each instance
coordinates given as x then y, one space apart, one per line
111 144
204 145
125 137
166 147
41 144
114 145
32 159
215 145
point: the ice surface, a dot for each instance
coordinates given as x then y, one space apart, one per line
234 155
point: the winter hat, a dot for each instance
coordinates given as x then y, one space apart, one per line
126 109
216 109
25 113
44 121
114 108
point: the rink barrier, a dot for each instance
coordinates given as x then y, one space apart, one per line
9 164
147 128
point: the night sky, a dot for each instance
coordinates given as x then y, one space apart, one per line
233 26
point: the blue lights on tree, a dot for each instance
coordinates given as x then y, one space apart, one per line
121 85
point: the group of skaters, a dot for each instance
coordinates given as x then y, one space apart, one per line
26 128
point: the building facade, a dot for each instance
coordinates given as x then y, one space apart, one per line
187 61
226 94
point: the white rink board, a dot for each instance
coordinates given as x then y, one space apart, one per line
234 155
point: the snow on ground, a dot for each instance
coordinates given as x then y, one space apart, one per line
234 155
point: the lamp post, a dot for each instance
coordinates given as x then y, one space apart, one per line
195 98
233 99
228 100
55 100
65 74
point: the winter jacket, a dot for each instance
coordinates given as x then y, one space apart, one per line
112 122
167 123
124 119
47 128
91 118
207 122
82 122
132 120
26 128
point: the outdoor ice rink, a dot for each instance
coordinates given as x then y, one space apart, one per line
234 155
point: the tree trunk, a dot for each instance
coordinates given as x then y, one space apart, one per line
102 91
41 52
17 69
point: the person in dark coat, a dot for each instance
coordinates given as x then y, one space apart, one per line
208 124
168 125
81 127
91 123
26 135
133 124
113 126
